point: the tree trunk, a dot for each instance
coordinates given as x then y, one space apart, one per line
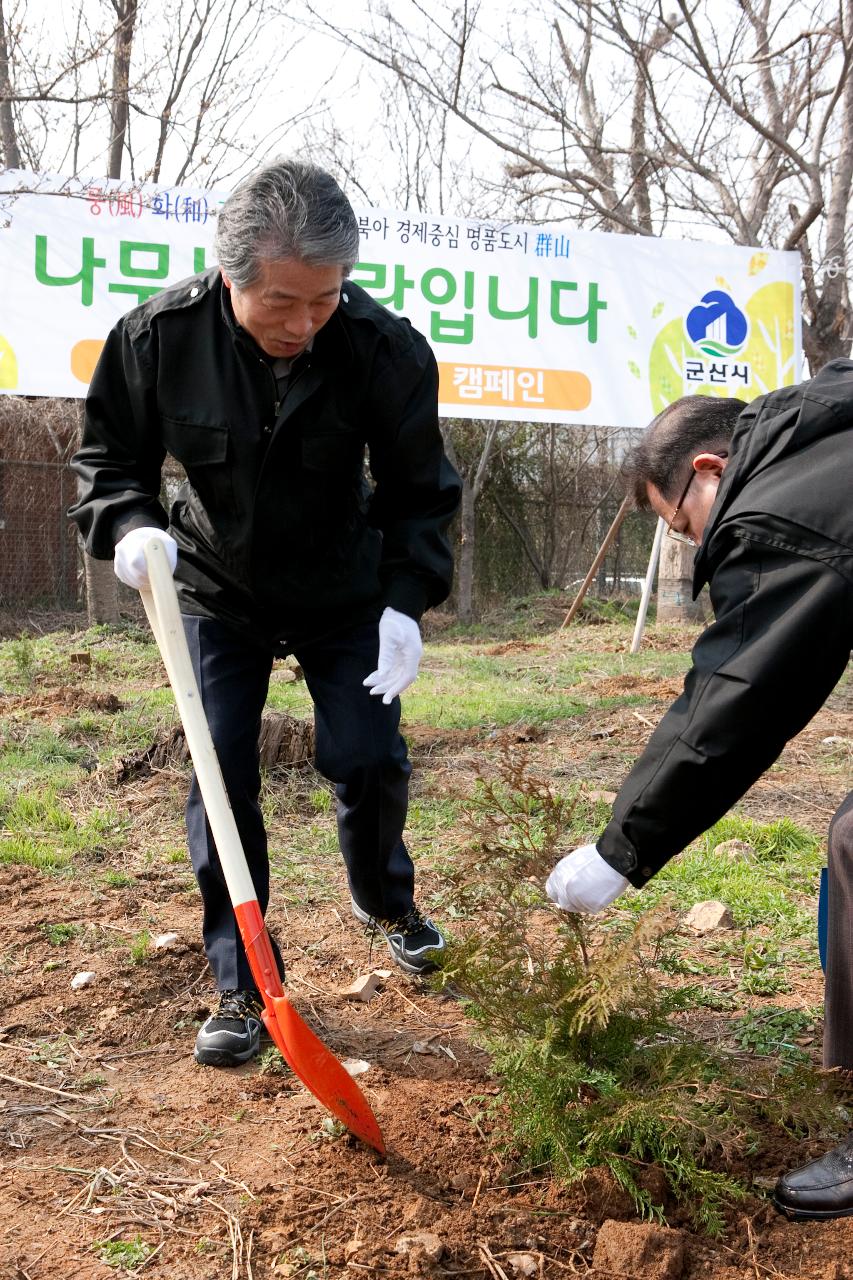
101 590
8 133
101 582
126 14
465 589
471 490
675 582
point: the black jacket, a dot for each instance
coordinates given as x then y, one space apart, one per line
277 530
777 553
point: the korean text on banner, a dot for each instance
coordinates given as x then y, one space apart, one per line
534 324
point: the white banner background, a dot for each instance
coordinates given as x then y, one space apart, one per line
527 323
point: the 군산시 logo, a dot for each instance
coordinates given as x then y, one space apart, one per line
716 325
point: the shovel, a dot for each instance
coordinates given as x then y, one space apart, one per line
314 1064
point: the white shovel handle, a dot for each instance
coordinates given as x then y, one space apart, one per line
164 615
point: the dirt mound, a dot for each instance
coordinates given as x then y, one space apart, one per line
50 704
641 686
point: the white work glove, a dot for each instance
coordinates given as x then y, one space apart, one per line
400 650
129 561
583 881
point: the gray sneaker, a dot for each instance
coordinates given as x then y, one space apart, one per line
232 1034
413 940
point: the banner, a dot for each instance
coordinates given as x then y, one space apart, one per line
528 323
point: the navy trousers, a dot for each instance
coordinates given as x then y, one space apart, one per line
838 995
358 747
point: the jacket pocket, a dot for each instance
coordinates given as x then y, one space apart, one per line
196 444
202 450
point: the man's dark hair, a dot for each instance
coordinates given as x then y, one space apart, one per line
691 425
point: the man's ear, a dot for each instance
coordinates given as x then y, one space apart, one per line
710 462
225 279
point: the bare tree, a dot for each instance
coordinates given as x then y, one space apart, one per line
8 132
472 463
101 582
119 104
553 487
148 90
165 90
641 117
654 119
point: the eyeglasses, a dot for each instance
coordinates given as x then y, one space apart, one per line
676 534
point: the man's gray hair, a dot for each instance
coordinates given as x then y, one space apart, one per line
691 425
287 209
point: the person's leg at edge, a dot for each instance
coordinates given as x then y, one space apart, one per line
359 747
233 678
824 1188
838 1000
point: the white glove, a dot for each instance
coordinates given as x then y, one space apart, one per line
129 562
583 881
400 650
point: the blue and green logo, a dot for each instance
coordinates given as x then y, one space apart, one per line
717 326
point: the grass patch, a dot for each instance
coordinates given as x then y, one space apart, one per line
38 829
774 889
126 1254
140 946
116 879
59 935
776 1033
464 686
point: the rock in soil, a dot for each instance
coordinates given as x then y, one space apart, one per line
523 1264
364 988
638 1249
735 850
424 1244
705 917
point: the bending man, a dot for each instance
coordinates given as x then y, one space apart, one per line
765 493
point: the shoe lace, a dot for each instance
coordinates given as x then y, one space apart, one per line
412 922
238 1004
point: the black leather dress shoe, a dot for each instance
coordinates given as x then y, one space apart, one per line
821 1189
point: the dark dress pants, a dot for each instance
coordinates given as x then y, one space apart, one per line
838 1000
358 747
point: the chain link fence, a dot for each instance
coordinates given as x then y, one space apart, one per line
530 535
39 553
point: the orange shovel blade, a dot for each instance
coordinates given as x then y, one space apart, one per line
319 1070
306 1055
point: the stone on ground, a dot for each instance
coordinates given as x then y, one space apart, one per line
641 1250
364 988
705 917
425 1244
735 850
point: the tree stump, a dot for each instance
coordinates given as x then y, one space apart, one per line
284 742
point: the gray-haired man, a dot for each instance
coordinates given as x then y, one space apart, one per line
765 494
267 378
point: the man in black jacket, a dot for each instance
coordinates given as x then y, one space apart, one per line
766 495
268 378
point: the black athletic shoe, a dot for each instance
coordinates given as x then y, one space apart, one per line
232 1034
413 939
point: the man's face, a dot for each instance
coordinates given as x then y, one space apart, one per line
690 516
287 304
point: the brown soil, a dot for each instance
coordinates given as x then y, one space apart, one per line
110 1132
